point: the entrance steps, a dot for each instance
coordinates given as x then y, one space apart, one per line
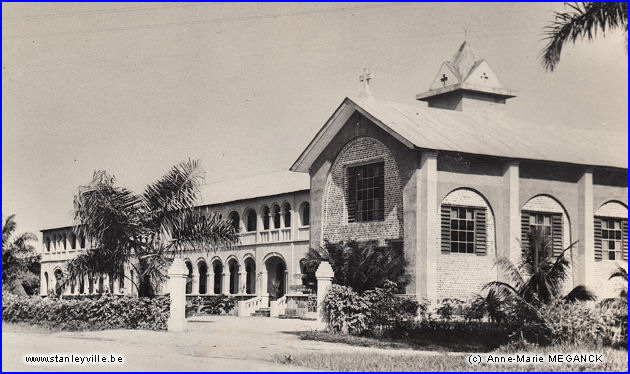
262 312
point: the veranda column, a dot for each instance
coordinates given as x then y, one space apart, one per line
264 287
426 255
195 281
210 282
324 275
225 282
242 277
177 274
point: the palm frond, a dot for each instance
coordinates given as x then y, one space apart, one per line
510 270
582 21
579 293
619 273
193 230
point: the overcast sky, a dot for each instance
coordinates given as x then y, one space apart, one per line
135 88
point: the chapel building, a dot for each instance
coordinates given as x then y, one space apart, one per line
448 176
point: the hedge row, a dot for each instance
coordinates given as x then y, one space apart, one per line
105 312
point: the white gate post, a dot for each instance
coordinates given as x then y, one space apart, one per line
324 275
177 274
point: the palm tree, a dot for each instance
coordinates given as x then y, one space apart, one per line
144 230
20 261
584 20
360 265
538 278
622 299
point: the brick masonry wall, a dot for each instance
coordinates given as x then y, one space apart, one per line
601 285
335 216
547 204
461 275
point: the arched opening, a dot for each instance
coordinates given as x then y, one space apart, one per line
73 241
266 217
233 267
82 241
251 220
189 277
100 283
47 244
276 277
250 277
286 211
90 284
305 214
46 281
64 241
111 281
81 285
202 268
235 220
55 240
276 216
218 276
58 281
121 281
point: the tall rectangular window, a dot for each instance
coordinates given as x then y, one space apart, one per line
611 239
462 230
366 192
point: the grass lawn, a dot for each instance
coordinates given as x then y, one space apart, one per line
615 360
441 359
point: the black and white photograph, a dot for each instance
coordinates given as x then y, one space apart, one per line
302 186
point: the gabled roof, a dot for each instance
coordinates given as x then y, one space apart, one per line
417 126
254 186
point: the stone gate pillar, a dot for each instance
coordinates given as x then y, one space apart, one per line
324 275
177 274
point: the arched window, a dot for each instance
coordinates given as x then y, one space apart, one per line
47 245
46 279
218 276
250 281
189 278
286 211
265 214
73 241
203 277
251 220
233 267
82 242
305 214
235 220
276 216
64 241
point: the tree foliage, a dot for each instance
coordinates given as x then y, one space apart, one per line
584 20
359 265
20 260
144 230
538 278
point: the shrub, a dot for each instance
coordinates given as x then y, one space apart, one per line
219 304
377 310
576 323
105 312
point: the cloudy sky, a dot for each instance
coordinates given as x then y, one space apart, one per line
135 88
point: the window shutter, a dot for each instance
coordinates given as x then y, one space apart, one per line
352 195
446 229
598 238
556 234
524 229
624 238
481 237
